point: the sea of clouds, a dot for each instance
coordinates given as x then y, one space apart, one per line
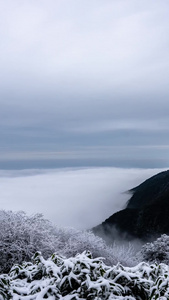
80 198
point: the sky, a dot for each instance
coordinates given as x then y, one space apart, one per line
81 198
84 81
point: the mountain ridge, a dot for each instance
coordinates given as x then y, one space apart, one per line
146 213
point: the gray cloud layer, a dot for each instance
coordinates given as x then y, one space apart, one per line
84 74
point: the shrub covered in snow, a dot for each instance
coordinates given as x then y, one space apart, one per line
82 277
78 241
21 236
157 251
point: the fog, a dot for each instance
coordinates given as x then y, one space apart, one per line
80 198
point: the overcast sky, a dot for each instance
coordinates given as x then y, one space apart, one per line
85 79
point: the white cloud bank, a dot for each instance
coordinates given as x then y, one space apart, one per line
80 198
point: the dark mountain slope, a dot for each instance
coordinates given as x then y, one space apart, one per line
150 190
147 212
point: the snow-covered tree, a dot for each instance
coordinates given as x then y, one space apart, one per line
157 251
75 241
21 236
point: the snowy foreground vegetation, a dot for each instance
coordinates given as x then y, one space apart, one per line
82 277
21 236
27 272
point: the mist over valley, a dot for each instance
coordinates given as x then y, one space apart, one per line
76 197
